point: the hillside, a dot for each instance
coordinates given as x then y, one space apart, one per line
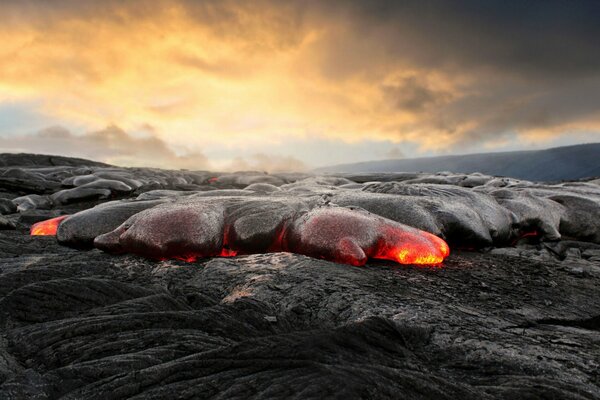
559 163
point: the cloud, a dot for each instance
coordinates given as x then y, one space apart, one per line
209 74
550 38
410 94
394 153
111 145
268 163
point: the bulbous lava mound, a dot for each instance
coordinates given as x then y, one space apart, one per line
187 214
205 227
351 237
47 227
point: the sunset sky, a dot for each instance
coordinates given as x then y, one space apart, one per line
293 85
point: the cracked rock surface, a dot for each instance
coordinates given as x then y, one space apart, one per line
519 318
85 324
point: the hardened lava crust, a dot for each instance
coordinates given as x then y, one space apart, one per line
192 284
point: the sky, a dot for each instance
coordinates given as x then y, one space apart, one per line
291 85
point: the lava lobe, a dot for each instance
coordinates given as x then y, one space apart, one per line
192 229
47 227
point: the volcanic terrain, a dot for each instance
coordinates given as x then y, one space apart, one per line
146 283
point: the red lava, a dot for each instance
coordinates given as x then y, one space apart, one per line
344 236
402 245
529 234
422 248
228 252
47 227
225 252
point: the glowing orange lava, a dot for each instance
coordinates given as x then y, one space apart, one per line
183 258
228 252
225 252
421 248
47 227
331 233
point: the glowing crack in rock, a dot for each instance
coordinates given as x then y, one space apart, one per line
47 227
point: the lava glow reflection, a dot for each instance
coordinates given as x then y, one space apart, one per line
47 227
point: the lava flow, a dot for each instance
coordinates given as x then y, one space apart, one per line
527 234
419 249
47 227
225 252
332 233
349 237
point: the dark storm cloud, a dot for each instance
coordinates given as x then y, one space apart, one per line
524 66
539 37
413 95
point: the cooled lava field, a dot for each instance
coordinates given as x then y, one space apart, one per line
146 283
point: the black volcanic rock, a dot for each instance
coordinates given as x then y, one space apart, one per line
6 224
7 206
262 188
170 230
464 209
81 229
90 325
396 208
463 215
517 319
67 196
256 225
533 213
580 219
26 185
41 160
245 179
33 202
113 185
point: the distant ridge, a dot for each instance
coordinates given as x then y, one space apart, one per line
555 164
44 160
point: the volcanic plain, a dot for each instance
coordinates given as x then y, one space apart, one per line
196 284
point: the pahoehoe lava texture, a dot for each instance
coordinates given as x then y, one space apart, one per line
516 319
191 228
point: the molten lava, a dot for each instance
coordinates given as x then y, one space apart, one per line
190 258
335 234
526 234
418 247
349 237
47 227
225 252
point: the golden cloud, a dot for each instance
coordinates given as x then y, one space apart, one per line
231 73
111 145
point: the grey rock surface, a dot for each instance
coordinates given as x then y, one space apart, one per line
90 325
518 318
7 206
